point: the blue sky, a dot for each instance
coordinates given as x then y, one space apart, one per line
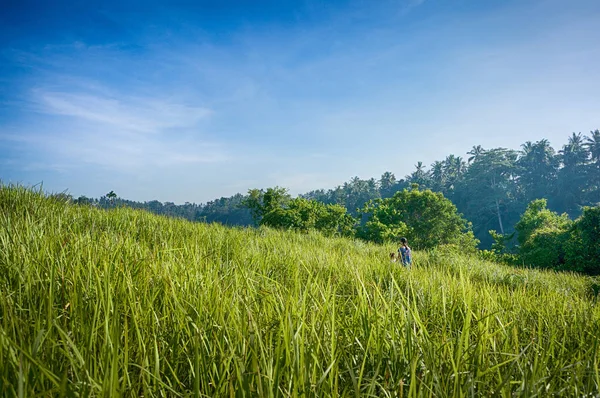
162 100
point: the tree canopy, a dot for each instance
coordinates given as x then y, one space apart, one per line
427 218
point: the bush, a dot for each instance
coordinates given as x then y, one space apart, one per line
546 247
583 250
542 236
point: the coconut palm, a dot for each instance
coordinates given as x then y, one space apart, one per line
437 174
593 145
475 152
574 153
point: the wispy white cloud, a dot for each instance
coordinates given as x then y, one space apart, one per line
128 133
147 115
125 152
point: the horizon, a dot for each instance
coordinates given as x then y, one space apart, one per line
190 104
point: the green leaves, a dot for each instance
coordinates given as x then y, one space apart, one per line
426 218
275 209
583 250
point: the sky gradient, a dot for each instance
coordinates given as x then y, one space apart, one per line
191 103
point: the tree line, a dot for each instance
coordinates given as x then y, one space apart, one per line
491 191
492 187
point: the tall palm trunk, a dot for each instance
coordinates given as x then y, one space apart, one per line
499 217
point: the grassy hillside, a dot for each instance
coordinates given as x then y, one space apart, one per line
122 302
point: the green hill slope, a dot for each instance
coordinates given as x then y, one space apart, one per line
122 302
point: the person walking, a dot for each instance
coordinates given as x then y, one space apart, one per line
405 253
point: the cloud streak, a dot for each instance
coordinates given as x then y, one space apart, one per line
126 133
126 113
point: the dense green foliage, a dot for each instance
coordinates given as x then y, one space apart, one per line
274 208
122 302
547 239
542 235
583 250
492 188
429 219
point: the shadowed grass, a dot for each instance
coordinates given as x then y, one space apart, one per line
122 302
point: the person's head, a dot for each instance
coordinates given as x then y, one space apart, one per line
403 241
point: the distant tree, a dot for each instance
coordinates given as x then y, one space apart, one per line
475 152
111 195
572 177
502 243
437 176
592 144
419 176
542 235
84 200
487 194
454 169
583 250
355 193
428 219
538 167
226 211
261 202
386 184
305 215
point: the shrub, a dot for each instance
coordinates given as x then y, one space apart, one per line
542 236
583 250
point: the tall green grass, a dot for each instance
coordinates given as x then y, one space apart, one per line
122 302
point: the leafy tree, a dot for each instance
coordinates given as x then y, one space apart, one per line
502 243
538 169
475 152
387 183
227 211
304 215
427 218
592 144
542 235
583 250
261 202
572 179
488 194
454 169
437 176
84 200
419 176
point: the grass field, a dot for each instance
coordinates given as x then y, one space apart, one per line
122 302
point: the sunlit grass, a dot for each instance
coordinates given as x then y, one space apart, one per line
122 302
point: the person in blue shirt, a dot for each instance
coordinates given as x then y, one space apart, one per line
405 253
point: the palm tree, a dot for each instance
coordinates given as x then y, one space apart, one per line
573 153
420 167
526 148
387 181
475 152
419 176
593 145
572 177
459 166
437 176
